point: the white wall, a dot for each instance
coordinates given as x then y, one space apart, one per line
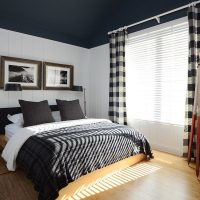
164 137
25 46
99 81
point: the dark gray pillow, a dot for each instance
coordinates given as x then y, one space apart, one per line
70 110
35 113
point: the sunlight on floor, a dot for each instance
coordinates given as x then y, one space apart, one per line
114 180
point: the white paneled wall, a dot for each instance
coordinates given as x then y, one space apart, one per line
26 46
164 137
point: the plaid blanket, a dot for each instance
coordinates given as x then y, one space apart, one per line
53 159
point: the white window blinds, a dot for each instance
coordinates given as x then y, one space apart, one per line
156 70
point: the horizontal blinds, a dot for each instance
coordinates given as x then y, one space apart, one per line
156 70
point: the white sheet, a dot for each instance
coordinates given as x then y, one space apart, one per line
11 129
13 146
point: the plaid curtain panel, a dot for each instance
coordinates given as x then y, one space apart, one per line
194 46
117 91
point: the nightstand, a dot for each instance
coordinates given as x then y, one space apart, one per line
3 141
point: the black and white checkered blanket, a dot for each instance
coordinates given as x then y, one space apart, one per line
55 158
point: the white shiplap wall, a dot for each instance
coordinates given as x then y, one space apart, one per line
26 46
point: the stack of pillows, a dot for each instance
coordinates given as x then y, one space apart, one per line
35 113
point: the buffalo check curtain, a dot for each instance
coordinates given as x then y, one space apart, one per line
194 47
117 91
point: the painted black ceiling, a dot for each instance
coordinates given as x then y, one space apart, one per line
81 22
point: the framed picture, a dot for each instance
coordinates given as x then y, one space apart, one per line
22 71
57 76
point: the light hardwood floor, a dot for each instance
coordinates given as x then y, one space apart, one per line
166 177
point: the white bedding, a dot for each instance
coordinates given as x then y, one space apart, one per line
13 146
11 130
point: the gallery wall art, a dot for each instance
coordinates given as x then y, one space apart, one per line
57 76
35 75
26 72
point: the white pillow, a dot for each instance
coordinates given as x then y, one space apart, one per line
18 118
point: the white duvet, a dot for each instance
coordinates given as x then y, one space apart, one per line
13 146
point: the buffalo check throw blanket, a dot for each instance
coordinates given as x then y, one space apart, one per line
53 159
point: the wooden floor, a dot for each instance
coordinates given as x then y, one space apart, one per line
166 177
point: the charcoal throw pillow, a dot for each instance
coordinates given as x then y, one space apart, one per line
35 113
70 110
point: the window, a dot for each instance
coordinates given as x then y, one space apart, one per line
156 70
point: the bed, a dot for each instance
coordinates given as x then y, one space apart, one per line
59 157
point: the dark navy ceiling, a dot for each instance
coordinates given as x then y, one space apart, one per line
83 23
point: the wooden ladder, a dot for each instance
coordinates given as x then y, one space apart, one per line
194 117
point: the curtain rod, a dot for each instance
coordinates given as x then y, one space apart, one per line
157 17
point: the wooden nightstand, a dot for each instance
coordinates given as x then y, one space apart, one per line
3 141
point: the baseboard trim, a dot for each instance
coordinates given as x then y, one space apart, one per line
167 149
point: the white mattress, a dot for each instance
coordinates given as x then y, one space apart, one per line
11 130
